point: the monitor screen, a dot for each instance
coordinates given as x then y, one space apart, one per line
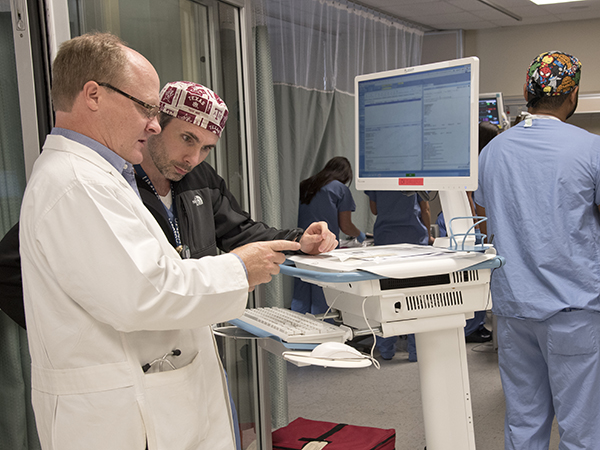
416 128
491 107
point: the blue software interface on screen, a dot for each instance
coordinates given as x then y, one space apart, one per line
415 124
488 110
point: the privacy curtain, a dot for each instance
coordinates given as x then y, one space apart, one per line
317 49
308 53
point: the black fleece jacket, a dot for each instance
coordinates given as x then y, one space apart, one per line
210 217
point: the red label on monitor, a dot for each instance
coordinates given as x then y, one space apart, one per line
410 181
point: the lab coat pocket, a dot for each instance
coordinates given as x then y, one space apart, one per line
176 401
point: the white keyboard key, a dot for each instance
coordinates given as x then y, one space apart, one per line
291 326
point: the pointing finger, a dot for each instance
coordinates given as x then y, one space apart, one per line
281 245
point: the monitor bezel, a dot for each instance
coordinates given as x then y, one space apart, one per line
468 183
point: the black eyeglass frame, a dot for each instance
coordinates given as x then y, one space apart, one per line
151 110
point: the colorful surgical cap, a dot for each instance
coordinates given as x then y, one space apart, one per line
194 103
553 73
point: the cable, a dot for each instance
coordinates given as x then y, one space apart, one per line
372 358
331 306
489 300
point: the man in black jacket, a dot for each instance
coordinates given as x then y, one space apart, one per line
187 197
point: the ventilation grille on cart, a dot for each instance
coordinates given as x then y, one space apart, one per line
465 276
434 300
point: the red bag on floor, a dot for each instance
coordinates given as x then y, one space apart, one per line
313 434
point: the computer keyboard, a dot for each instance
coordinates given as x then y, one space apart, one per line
290 326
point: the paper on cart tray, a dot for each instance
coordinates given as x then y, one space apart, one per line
393 261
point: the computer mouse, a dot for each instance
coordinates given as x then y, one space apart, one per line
335 350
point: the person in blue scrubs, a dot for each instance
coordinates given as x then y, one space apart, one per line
475 330
539 186
325 197
402 218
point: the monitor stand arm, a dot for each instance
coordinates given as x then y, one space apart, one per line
456 204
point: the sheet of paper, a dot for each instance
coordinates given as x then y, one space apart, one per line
394 261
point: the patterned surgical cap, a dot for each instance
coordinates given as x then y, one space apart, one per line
194 103
553 73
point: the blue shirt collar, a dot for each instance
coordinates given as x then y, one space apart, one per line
115 160
123 167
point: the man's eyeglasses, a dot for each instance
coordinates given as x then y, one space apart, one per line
151 111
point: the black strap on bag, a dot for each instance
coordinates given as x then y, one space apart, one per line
324 436
382 443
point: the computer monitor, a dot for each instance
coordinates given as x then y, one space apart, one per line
417 127
491 107
417 130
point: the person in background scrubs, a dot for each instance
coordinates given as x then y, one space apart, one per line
402 218
539 186
325 197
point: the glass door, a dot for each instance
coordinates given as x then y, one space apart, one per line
188 40
24 118
12 158
199 41
12 161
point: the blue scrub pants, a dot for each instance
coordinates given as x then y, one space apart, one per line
387 347
549 368
308 298
475 323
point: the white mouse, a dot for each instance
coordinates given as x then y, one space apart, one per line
335 350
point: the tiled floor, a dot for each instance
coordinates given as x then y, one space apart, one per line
390 398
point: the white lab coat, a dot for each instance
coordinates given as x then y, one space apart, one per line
106 293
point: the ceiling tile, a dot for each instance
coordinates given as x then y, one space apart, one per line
387 3
595 14
452 18
481 25
568 8
490 14
469 5
530 10
526 21
423 9
448 14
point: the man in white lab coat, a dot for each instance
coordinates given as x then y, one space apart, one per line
106 295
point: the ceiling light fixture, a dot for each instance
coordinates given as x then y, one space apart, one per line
501 9
552 2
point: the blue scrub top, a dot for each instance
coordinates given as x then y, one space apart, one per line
398 219
332 199
441 223
540 186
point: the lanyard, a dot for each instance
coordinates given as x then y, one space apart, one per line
183 250
529 118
